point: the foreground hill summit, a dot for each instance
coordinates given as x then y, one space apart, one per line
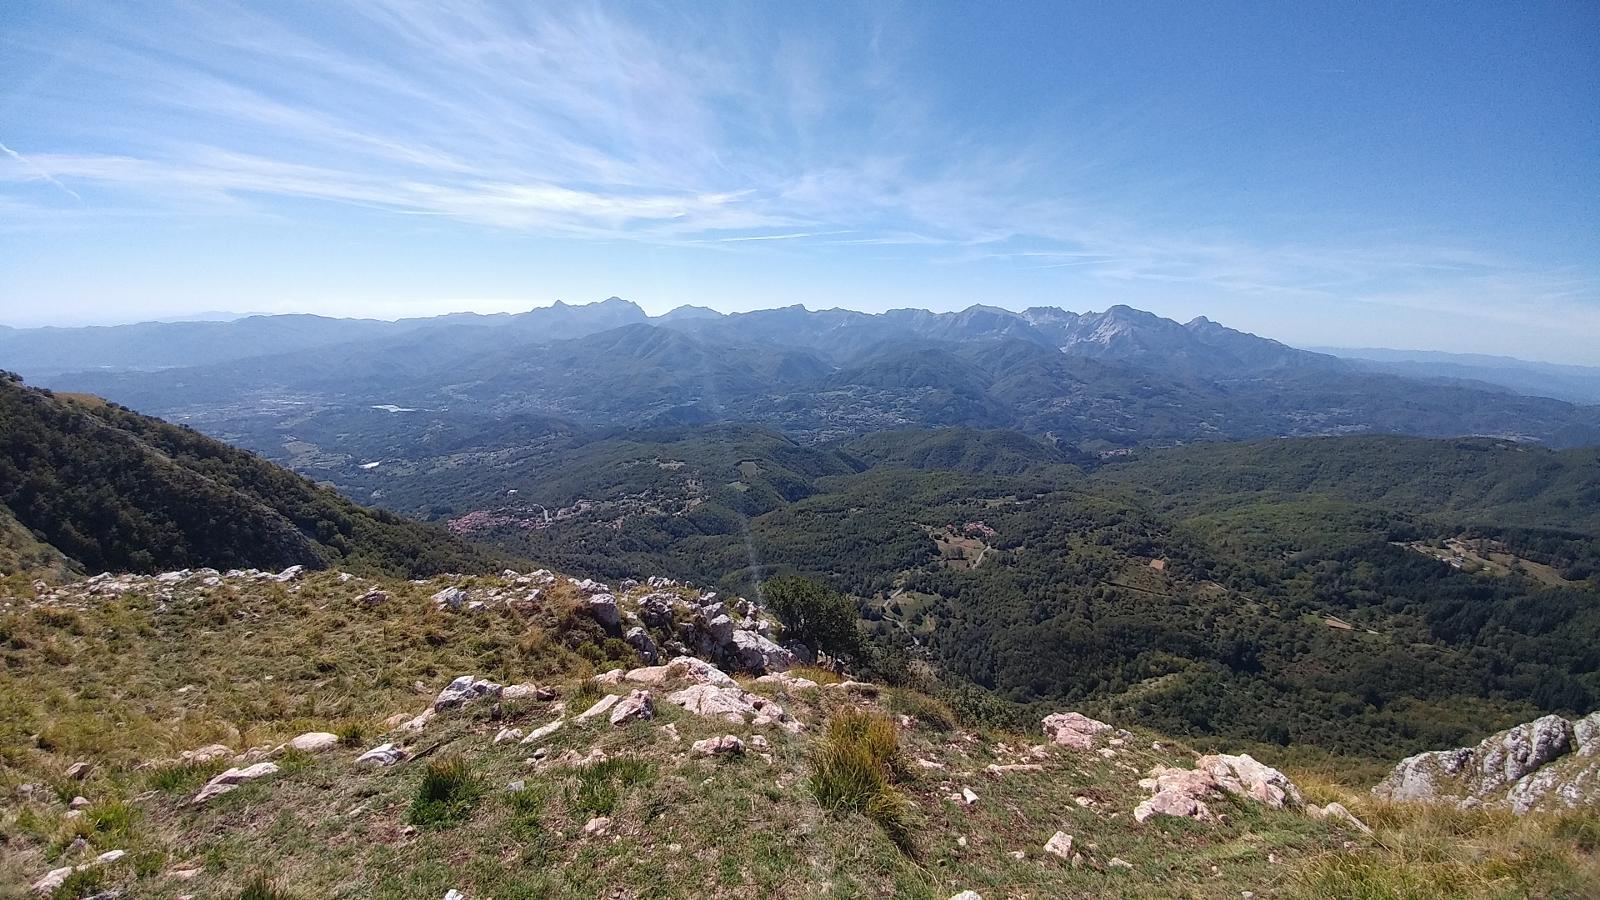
202 734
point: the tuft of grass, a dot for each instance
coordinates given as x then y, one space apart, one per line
448 791
292 761
602 785
586 693
855 768
817 674
928 711
185 777
260 887
1428 851
352 734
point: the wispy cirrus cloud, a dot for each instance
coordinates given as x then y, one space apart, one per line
687 126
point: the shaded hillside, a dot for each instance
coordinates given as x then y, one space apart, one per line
114 490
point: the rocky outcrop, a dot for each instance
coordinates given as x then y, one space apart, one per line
1074 730
1183 792
1549 763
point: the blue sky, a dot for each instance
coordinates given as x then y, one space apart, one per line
1409 175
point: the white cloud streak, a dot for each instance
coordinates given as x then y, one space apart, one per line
602 122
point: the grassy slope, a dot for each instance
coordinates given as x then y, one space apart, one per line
120 682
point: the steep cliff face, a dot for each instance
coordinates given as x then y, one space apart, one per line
1549 763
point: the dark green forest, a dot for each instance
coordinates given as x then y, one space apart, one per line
1260 543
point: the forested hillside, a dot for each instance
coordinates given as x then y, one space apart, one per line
1298 592
113 490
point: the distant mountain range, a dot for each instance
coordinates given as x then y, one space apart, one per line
1576 384
1096 380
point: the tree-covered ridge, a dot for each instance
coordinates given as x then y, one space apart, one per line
1468 479
114 490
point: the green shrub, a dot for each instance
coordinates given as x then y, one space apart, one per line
854 770
601 785
81 883
814 613
448 791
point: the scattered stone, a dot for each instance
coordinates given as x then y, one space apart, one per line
865 688
967 895
508 734
597 826
1172 803
928 763
464 690
698 670
51 880
968 797
381 755
79 770
79 803
374 597
1084 802
544 731
727 744
454 894
1060 844
288 574
450 598
1117 862
231 779
729 703
599 708
419 721
110 856
1339 812
651 675
609 679
636 707
314 742
513 787
206 754
603 609
785 681
526 692
671 731
998 770
641 641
